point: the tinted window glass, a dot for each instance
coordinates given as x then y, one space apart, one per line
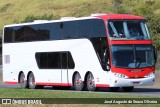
64 60
8 34
28 33
56 31
88 28
69 30
84 28
44 31
98 28
18 34
54 60
41 60
70 63
128 29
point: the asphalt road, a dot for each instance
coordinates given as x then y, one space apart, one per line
153 92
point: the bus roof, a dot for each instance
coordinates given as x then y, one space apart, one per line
93 16
50 21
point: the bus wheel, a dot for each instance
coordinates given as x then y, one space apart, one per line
127 89
114 89
78 83
91 82
31 81
22 81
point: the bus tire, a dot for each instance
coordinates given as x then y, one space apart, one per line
114 89
91 82
128 89
78 83
31 81
23 83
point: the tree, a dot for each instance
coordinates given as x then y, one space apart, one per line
153 21
154 26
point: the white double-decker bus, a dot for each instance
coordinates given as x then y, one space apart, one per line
77 52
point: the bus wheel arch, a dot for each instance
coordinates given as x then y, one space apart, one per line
77 81
22 80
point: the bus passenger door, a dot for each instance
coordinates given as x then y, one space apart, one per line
64 66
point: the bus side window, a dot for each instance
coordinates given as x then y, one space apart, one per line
54 60
9 34
64 60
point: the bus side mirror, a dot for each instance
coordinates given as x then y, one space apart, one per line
155 54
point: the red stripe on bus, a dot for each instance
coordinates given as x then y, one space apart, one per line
130 42
102 85
53 84
10 82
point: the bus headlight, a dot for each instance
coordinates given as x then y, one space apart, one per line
150 75
120 75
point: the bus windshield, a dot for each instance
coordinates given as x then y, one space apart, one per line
131 29
132 56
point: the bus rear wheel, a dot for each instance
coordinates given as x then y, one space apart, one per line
127 89
22 81
91 82
78 83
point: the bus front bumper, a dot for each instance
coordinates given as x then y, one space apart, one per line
125 82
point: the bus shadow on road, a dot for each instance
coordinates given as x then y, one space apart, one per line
134 90
108 90
146 90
